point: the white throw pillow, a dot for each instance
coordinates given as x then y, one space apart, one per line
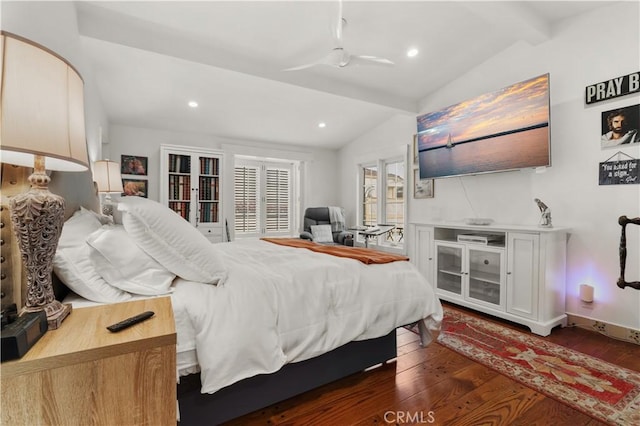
171 240
73 267
77 228
322 233
124 265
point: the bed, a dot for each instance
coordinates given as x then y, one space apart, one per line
257 322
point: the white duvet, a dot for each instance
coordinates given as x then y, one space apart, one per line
282 304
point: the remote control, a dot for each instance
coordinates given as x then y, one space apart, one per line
130 321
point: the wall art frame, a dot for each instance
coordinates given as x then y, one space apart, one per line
422 188
620 127
135 187
133 165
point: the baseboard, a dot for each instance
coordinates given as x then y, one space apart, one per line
610 330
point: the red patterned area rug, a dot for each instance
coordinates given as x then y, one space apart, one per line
599 389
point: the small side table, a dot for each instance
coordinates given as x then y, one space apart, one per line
381 230
83 374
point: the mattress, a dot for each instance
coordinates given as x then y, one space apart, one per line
282 305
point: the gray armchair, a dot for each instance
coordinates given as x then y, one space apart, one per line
323 216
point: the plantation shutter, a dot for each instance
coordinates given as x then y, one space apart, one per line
263 198
277 199
247 200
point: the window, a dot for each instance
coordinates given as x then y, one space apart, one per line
263 198
382 197
394 201
370 195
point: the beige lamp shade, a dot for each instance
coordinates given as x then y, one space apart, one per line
42 107
106 174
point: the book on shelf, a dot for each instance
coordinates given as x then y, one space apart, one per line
179 163
181 208
179 187
208 188
209 166
209 212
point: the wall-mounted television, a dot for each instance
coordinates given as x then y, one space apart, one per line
504 130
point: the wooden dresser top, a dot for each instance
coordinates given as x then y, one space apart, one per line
83 336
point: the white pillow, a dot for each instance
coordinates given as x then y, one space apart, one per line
73 267
77 228
322 233
124 265
171 240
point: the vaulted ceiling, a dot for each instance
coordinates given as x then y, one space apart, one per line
151 58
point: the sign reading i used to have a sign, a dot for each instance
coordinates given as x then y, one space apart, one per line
613 88
619 172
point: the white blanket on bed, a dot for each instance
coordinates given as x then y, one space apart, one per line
282 304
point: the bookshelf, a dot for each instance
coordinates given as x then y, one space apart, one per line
191 181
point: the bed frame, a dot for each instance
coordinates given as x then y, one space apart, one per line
261 391
254 393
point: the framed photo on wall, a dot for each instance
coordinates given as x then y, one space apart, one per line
422 188
619 127
135 187
133 165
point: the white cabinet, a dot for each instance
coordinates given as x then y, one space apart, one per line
523 274
421 248
512 272
191 185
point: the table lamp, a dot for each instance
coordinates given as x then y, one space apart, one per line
106 175
42 120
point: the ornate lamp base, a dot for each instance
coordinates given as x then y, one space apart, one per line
37 217
56 312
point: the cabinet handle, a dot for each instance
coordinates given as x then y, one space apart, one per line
508 273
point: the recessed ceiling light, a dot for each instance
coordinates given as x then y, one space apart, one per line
193 104
322 124
412 52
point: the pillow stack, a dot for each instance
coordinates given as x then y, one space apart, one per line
111 263
72 265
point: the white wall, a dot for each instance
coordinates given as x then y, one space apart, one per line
319 164
581 52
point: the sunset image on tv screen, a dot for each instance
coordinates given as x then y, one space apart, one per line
504 130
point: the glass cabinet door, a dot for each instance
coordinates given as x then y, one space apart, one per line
179 196
208 190
449 266
485 276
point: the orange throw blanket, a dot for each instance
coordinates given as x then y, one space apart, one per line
364 255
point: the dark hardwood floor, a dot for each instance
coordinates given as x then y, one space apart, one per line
437 386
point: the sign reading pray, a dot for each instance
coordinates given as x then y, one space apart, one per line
613 88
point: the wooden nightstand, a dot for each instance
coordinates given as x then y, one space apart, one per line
83 374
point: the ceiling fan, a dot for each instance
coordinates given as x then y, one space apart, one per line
338 57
